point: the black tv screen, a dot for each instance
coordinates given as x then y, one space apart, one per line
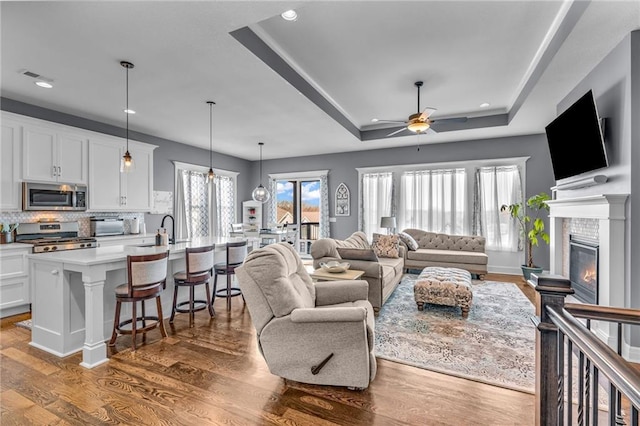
576 143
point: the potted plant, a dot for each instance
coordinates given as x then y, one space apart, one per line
531 226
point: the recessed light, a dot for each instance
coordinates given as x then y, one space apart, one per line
374 120
44 84
484 105
289 15
129 111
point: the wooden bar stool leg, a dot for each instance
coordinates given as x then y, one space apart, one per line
191 305
163 331
209 302
116 324
215 288
228 292
175 301
144 323
134 323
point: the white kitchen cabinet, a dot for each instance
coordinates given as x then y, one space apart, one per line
51 154
10 165
126 240
110 190
14 280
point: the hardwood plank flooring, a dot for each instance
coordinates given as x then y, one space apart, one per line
213 374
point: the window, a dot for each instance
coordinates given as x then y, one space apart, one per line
298 202
204 208
494 187
434 200
377 201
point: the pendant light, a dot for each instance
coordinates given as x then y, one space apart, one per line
260 193
126 163
211 175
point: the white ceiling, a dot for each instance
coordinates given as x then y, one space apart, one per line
361 56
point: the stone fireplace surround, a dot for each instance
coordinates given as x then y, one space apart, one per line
604 216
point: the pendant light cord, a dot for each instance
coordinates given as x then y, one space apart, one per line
261 143
127 111
210 135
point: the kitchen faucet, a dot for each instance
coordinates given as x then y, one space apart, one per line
172 239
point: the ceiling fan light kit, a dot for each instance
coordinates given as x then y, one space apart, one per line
260 193
418 122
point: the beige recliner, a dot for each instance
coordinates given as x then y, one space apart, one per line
320 333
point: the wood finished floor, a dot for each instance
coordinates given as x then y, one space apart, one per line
212 374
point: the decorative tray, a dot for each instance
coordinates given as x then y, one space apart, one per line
334 266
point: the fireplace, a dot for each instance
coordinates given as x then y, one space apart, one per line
583 269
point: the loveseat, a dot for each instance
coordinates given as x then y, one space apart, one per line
383 274
454 251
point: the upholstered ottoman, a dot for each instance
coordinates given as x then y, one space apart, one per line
444 286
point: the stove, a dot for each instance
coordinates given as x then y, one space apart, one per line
53 236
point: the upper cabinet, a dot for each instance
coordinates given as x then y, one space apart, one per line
54 155
10 165
110 190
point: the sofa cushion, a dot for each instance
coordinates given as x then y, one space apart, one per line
386 245
448 256
357 254
408 240
396 263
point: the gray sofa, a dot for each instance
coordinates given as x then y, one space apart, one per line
454 251
383 276
300 324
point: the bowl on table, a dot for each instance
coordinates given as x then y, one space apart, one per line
334 266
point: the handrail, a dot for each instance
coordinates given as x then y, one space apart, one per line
616 368
604 313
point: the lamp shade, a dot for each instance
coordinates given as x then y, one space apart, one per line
387 222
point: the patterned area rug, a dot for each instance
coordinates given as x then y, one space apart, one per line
24 324
494 345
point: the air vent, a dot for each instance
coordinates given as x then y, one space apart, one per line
31 74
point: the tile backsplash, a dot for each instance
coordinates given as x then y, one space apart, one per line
81 217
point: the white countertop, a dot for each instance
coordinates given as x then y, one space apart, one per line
14 246
95 256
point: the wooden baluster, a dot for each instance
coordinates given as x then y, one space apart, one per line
552 290
560 378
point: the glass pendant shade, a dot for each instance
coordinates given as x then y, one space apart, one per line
127 164
211 175
260 193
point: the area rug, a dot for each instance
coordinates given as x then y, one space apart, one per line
494 345
24 324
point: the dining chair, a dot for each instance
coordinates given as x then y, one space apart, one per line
199 264
235 255
146 278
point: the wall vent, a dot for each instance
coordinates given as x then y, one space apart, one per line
29 73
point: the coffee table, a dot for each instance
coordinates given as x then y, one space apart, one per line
349 274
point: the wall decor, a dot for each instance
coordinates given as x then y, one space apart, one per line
343 201
162 202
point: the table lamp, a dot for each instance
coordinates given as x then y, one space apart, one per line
388 222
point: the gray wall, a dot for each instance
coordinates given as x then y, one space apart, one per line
342 168
615 82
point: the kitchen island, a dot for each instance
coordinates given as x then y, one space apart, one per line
73 300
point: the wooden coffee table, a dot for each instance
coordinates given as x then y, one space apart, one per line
349 274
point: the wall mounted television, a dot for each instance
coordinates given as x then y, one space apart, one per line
575 139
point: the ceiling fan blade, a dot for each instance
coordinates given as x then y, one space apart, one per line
391 121
430 131
397 131
450 120
427 112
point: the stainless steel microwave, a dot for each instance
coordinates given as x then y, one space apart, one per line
52 196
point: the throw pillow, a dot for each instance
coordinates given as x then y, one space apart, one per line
357 254
410 242
386 245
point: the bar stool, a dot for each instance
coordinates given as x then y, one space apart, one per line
147 275
236 253
199 263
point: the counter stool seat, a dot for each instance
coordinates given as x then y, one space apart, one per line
199 263
147 276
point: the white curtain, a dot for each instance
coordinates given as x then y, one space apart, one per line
223 204
272 204
196 202
494 187
325 229
434 200
182 230
377 200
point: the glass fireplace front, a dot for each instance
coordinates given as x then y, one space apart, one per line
583 270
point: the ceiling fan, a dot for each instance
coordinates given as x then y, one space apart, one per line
420 122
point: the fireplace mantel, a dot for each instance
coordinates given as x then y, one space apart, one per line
609 210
